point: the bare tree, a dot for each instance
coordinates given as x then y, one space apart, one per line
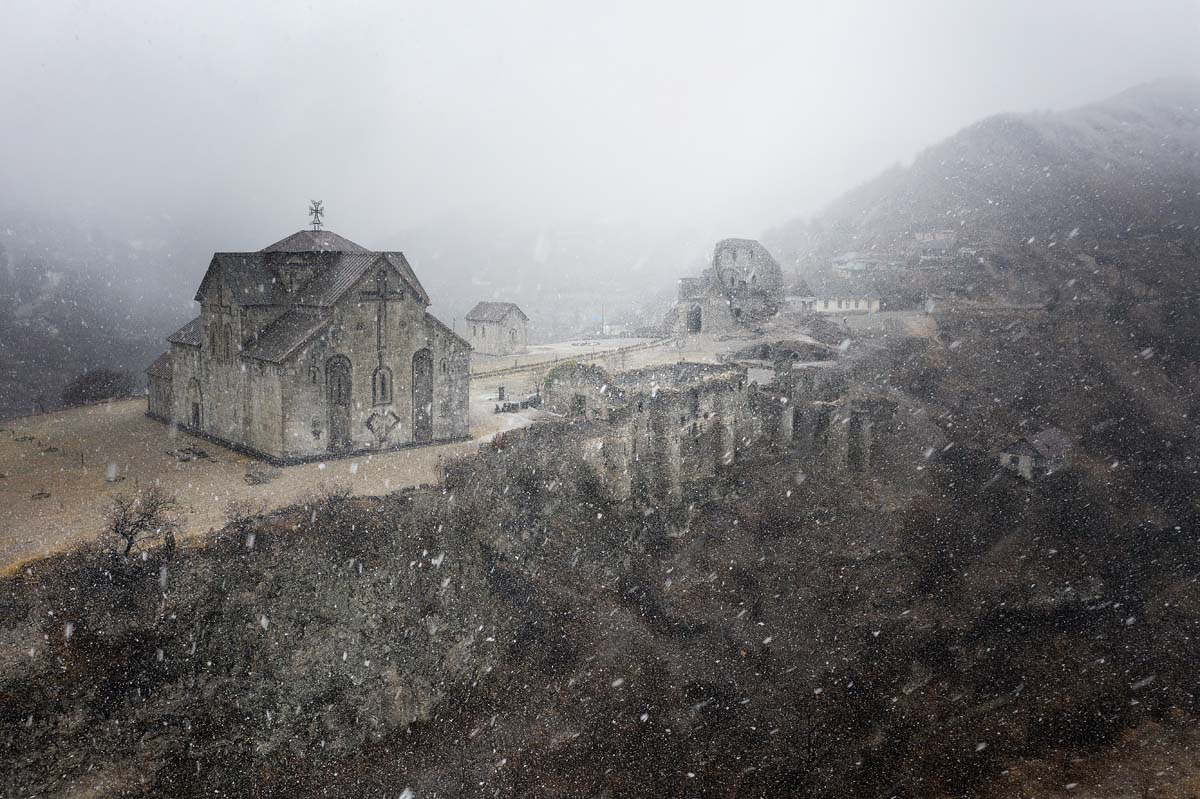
149 513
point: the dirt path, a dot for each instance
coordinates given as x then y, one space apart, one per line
67 456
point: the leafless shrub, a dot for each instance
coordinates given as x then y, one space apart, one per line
150 513
240 513
332 494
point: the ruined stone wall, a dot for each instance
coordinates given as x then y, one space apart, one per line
656 430
716 318
663 428
826 418
579 391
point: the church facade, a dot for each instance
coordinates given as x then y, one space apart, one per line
312 347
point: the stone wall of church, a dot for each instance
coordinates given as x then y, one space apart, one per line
378 420
158 397
232 400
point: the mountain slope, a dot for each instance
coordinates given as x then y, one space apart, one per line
1129 165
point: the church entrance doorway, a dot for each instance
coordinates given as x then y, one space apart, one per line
338 384
693 319
422 396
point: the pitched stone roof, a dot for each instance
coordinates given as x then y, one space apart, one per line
161 366
315 241
286 335
332 281
1052 443
247 275
445 328
257 278
493 312
191 334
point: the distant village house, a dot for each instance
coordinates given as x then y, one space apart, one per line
834 297
1038 455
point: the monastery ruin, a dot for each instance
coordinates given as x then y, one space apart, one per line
743 286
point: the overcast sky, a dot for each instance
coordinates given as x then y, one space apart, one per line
230 116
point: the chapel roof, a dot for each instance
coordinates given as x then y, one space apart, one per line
493 312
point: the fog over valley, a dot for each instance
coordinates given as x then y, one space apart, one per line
467 399
140 139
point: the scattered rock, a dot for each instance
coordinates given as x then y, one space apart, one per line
188 453
262 474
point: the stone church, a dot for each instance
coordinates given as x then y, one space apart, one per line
743 286
310 347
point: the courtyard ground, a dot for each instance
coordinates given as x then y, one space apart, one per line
55 469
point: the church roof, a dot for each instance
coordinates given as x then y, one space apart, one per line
248 277
257 278
286 334
191 334
449 331
161 366
334 280
493 312
315 241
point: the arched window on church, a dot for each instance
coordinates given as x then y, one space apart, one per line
512 335
445 366
212 341
228 341
381 386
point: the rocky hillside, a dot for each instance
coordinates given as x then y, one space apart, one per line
63 310
914 633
